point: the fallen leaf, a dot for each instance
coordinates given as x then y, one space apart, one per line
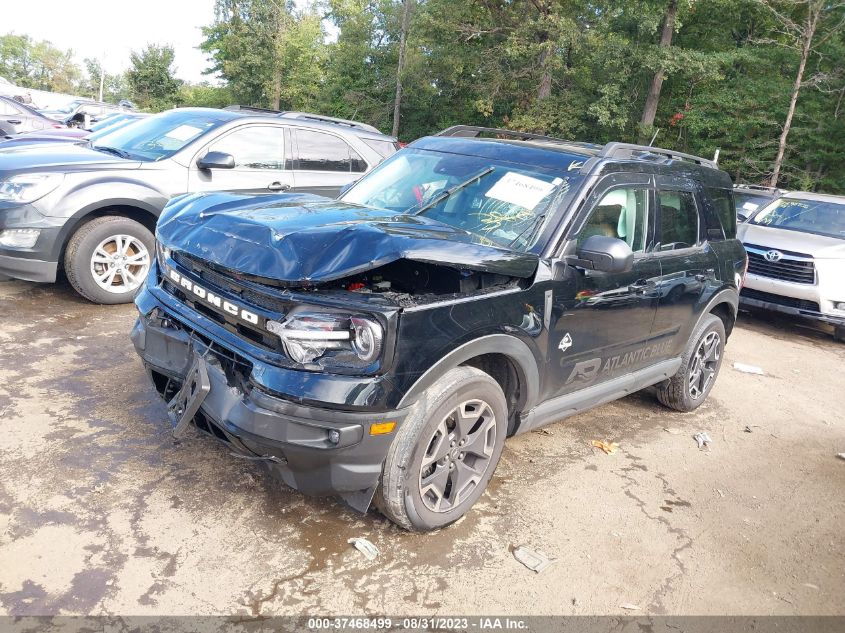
608 447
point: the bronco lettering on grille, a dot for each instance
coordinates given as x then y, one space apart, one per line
215 301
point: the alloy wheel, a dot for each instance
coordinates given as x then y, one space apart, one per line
457 455
120 263
704 364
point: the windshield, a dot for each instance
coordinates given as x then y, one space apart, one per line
157 137
807 216
748 203
70 107
503 202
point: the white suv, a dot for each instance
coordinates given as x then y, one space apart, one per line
796 258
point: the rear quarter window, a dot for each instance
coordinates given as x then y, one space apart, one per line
722 202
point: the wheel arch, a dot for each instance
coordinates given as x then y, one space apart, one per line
506 358
725 305
144 214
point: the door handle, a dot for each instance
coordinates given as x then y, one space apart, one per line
277 186
14 121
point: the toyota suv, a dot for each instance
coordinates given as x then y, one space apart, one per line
381 346
796 258
91 207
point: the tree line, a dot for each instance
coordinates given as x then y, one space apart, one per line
762 81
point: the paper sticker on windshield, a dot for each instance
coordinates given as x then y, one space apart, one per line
523 191
183 132
750 206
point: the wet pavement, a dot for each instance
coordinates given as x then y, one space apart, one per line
102 512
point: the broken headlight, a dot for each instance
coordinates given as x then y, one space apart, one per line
330 340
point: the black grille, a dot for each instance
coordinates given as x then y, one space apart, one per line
231 283
790 302
798 271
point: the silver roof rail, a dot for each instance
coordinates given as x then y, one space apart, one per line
631 150
308 116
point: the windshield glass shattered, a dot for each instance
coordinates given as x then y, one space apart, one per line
809 216
504 202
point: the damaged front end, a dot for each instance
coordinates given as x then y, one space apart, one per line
295 304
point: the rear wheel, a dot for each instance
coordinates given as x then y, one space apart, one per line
108 259
700 365
446 452
839 333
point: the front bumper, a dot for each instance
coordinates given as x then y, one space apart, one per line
39 263
801 300
294 438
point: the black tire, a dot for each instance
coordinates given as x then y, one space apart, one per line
839 333
400 497
677 392
81 251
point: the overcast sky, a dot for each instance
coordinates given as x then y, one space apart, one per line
109 30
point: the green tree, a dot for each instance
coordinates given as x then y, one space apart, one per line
269 53
115 87
151 82
38 64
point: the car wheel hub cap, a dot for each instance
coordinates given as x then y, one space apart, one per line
120 263
704 364
457 455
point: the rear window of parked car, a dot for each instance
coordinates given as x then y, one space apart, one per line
319 151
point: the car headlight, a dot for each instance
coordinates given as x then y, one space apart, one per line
330 340
162 254
26 188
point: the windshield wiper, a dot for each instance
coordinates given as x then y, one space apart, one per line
440 197
111 150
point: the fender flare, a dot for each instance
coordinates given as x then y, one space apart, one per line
515 349
729 296
73 222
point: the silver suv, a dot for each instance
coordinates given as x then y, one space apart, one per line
91 207
796 258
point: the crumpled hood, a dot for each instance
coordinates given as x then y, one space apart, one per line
59 156
819 246
301 239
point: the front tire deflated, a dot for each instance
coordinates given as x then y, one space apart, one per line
446 451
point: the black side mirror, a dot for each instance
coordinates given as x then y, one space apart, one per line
216 160
604 254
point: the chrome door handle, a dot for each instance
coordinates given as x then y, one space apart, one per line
277 186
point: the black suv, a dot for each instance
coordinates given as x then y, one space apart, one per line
382 346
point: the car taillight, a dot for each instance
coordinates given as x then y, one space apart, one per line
58 126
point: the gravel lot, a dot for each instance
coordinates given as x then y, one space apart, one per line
101 512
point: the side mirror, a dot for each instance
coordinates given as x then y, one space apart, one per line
216 160
604 254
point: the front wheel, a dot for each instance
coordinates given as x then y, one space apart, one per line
689 387
108 258
445 453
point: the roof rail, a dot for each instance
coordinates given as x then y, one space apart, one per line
628 150
330 119
759 187
252 109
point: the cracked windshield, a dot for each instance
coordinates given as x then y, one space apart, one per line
500 201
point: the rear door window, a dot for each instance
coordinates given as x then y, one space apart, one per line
319 151
678 220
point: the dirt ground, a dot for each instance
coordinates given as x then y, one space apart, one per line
101 512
